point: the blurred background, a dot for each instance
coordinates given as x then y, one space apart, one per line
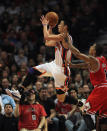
22 45
21 37
20 21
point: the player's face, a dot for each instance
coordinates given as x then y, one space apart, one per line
61 27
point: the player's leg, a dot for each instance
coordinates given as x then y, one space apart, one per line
36 71
61 80
32 74
61 83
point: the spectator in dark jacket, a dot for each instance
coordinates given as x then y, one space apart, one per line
7 121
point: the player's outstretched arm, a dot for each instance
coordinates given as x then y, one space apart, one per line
79 65
94 64
76 52
50 42
48 36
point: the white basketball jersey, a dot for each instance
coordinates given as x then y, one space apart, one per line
62 54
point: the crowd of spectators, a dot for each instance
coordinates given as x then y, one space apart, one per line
22 45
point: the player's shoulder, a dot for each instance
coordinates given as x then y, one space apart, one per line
93 60
101 59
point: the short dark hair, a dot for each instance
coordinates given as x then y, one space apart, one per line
8 104
99 49
30 91
59 91
70 100
70 90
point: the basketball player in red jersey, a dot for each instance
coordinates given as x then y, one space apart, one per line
97 100
56 68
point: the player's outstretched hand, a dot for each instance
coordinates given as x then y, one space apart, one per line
44 20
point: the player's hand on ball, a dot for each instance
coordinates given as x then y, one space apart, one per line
44 20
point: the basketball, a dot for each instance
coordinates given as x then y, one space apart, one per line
53 18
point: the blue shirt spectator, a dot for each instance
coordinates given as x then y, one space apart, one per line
7 99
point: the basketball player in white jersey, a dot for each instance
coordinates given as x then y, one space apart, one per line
56 68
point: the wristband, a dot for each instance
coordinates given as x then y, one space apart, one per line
44 24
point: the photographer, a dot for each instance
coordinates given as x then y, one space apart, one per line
31 114
75 120
64 105
49 105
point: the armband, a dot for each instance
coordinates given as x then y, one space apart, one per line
44 24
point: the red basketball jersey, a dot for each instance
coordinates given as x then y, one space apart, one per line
30 116
100 76
105 67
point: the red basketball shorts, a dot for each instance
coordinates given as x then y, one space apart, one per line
97 101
